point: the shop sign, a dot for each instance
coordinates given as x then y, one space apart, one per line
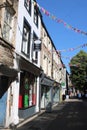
47 82
62 84
37 45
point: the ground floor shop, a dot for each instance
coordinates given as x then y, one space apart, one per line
7 76
50 92
56 92
20 98
45 96
28 103
28 95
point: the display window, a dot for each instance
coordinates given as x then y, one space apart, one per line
28 87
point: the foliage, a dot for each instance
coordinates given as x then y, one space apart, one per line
78 69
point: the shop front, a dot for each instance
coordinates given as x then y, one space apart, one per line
7 75
29 89
46 92
56 93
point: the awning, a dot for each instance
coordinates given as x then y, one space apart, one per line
47 82
56 84
28 66
6 71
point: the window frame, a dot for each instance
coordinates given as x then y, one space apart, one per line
35 53
36 18
26 24
7 25
28 87
28 7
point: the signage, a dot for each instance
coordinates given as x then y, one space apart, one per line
37 45
63 84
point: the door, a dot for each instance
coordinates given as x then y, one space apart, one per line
3 101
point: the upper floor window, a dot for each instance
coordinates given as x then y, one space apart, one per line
36 15
49 45
35 52
26 39
27 4
7 27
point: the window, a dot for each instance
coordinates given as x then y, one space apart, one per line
35 53
49 45
27 4
49 68
26 39
36 16
45 63
28 90
7 24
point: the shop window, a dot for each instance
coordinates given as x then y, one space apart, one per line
36 16
27 4
26 39
27 97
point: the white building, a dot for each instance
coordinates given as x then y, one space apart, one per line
27 60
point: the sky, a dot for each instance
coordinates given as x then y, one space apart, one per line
73 13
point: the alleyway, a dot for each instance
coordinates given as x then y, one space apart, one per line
70 115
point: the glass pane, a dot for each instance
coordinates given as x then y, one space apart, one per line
8 17
26 40
28 5
6 31
35 16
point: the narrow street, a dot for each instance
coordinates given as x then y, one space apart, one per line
70 115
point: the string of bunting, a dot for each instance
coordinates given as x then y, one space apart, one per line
60 65
74 65
72 49
53 17
70 65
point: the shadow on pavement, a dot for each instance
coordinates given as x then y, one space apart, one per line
69 115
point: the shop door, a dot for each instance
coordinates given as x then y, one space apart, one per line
3 99
3 109
47 95
43 97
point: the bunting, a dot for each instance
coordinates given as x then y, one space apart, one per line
53 17
70 65
72 49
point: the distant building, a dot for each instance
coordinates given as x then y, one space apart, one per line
50 60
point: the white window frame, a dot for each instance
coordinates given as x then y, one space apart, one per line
28 4
26 39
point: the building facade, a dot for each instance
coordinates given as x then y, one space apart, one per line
20 60
50 85
27 60
8 73
31 69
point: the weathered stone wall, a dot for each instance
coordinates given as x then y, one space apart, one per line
6 54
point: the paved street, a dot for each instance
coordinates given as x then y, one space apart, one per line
70 115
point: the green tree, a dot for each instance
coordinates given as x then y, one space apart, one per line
78 69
